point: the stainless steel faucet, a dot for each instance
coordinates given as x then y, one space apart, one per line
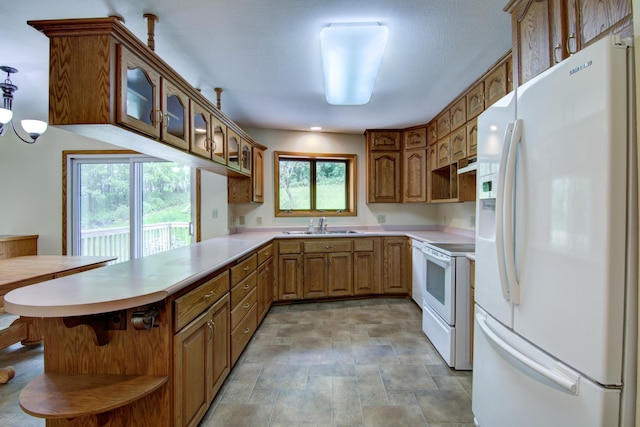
322 225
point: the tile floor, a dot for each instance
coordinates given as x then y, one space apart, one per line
350 363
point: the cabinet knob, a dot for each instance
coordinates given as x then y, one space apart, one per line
327 247
246 331
246 286
247 305
246 268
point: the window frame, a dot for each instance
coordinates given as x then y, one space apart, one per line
351 161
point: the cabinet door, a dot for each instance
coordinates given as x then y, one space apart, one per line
443 153
394 276
257 175
458 145
200 131
415 175
219 135
475 101
532 44
365 276
340 274
245 156
139 106
289 276
432 132
265 288
384 179
192 347
220 345
315 275
495 85
596 17
432 162
444 124
175 116
472 138
458 113
233 149
383 140
415 138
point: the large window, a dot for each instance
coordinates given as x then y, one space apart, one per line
315 184
126 205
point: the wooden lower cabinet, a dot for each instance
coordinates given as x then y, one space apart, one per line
201 363
266 280
326 268
395 279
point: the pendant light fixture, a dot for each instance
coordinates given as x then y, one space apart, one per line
34 128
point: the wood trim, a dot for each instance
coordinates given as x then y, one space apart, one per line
352 196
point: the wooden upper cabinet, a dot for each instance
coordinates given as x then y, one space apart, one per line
233 149
257 175
432 132
458 113
472 138
383 180
245 156
175 116
219 140
249 189
599 17
475 101
547 31
458 145
385 140
139 90
443 153
495 85
200 130
414 183
415 138
444 124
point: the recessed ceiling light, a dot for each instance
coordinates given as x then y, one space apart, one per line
315 128
351 57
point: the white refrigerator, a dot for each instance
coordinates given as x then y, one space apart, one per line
556 248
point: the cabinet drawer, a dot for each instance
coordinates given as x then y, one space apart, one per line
238 313
243 333
242 289
265 253
243 269
363 245
289 247
189 306
328 245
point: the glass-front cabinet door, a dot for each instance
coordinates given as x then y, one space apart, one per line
233 149
245 156
200 131
139 106
219 151
175 116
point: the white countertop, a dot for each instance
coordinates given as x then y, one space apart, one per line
153 278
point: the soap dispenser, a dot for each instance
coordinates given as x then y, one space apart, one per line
311 225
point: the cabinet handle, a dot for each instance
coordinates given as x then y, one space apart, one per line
246 331
247 305
246 286
166 122
210 325
156 116
555 52
327 247
246 268
210 294
571 36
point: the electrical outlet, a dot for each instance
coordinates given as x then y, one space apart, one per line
382 219
241 220
214 213
259 220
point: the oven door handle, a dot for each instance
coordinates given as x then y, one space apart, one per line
444 263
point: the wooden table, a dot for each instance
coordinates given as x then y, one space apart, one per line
27 270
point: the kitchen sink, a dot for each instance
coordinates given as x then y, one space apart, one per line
326 232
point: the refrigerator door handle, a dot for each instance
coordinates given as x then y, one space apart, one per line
560 378
500 256
508 207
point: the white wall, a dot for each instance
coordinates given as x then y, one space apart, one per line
318 142
31 188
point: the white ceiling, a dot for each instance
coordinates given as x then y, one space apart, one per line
265 54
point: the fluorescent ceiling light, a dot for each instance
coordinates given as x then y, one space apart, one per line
351 56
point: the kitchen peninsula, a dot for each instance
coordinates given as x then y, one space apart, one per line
154 338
